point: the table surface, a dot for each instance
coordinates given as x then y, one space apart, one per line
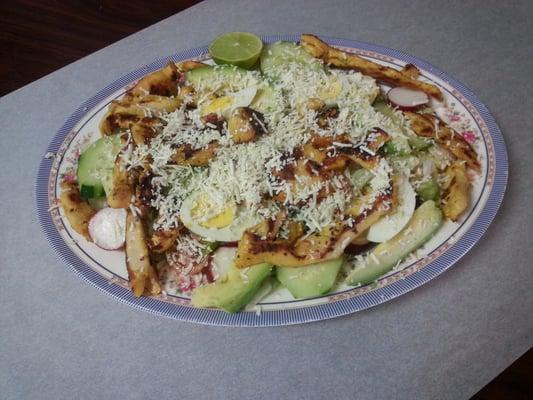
61 338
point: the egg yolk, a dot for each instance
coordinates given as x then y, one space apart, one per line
203 206
219 105
331 90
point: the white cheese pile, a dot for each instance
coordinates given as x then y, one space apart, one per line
241 173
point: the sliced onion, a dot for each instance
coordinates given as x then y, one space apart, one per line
407 99
222 260
107 228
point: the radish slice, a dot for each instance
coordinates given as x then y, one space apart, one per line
108 228
407 99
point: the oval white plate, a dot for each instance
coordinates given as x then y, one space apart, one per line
107 271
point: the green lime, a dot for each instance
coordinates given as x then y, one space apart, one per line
236 48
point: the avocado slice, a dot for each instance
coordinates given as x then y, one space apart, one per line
233 292
311 280
425 221
213 73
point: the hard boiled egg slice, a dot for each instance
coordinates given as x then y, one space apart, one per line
330 90
224 105
389 225
202 216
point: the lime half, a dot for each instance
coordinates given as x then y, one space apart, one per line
236 48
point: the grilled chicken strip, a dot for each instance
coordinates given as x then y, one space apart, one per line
341 59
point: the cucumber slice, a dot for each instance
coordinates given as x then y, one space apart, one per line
407 161
91 190
397 146
383 107
311 280
277 54
428 190
95 165
426 220
233 292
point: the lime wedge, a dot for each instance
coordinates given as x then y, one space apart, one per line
236 48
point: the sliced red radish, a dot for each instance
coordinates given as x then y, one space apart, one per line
407 99
108 228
